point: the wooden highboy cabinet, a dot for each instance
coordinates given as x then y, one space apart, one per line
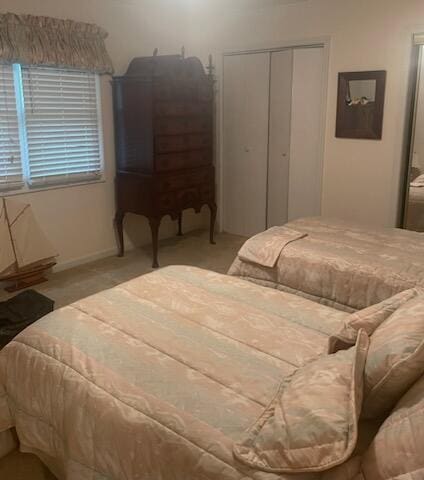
163 111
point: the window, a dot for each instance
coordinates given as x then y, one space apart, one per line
10 151
50 126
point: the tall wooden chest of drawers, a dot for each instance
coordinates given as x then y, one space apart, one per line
163 112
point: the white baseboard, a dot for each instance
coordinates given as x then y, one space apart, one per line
77 262
86 259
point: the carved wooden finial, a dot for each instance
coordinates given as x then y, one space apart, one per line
155 52
210 68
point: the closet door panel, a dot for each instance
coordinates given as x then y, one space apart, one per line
306 122
245 154
279 137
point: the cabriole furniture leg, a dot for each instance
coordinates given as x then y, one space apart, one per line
154 227
119 227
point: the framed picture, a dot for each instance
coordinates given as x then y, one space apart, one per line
360 105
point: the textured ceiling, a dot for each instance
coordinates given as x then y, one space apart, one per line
224 4
240 4
263 3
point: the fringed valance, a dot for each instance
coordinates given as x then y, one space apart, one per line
45 41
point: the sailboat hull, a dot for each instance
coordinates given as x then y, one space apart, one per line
27 278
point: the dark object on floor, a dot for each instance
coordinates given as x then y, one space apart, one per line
21 311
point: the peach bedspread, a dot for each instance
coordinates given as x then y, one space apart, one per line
340 264
157 378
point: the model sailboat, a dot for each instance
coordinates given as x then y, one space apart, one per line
25 252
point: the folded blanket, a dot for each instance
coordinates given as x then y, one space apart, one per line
312 423
266 247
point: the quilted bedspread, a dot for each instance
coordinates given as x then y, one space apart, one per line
341 264
157 378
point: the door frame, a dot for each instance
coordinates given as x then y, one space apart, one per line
319 42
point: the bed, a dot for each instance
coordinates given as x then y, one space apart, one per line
173 365
333 262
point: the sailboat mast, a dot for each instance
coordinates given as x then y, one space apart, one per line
10 233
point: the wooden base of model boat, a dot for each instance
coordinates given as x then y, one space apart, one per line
27 278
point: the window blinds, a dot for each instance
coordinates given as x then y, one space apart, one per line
10 150
62 125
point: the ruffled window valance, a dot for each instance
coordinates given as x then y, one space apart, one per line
33 40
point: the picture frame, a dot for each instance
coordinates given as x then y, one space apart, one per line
360 104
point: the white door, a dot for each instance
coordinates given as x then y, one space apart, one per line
245 153
279 137
305 175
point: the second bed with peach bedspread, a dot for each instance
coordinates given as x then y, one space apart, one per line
334 262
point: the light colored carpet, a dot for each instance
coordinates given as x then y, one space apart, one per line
70 285
192 249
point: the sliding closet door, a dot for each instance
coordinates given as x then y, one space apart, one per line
245 154
306 123
279 137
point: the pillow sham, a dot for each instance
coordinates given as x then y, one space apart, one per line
397 449
312 423
395 358
368 319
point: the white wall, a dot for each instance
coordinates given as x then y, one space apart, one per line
78 219
361 177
